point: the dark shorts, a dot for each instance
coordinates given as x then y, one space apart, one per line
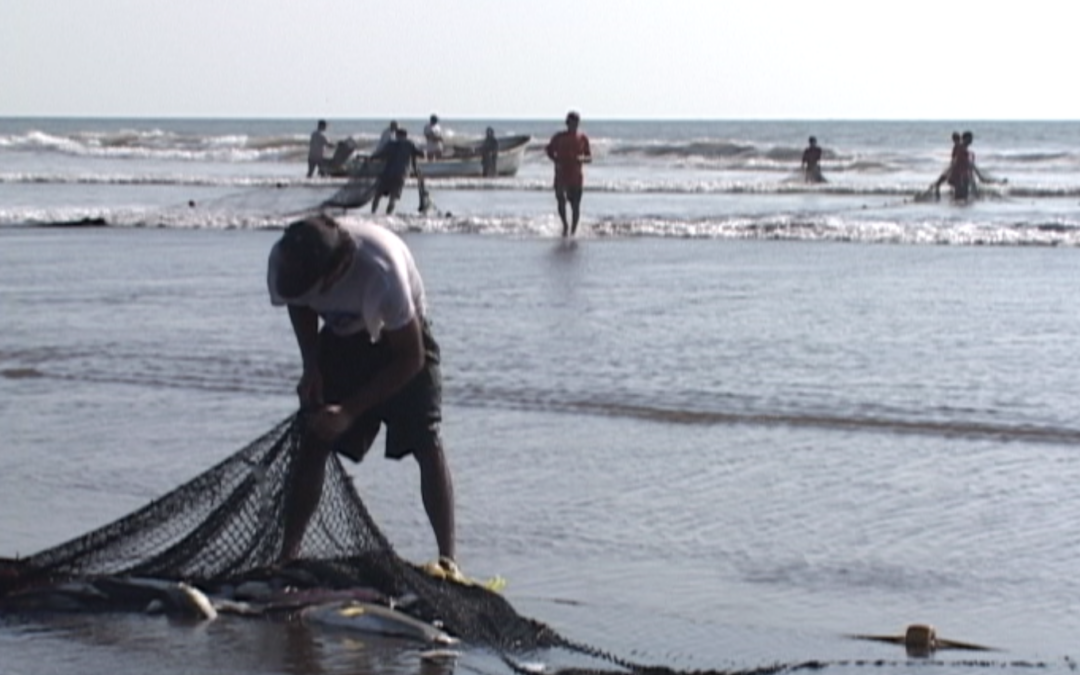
391 186
411 416
961 186
569 192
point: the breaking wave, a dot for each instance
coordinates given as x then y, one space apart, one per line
723 183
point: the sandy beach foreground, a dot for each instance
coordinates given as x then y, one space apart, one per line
701 454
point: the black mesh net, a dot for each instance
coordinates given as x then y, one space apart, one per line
224 525
358 191
363 184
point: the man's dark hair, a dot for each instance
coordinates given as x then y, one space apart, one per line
308 250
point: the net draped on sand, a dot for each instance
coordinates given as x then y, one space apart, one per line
226 523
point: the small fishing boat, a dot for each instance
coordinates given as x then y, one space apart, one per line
461 159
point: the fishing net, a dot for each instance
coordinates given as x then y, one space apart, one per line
225 525
357 192
363 185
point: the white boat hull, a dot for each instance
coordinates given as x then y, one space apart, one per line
464 161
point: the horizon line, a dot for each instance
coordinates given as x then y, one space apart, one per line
380 118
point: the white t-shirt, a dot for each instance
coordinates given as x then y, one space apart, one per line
381 289
434 135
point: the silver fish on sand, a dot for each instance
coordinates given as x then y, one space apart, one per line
375 619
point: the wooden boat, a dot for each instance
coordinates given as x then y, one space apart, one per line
461 159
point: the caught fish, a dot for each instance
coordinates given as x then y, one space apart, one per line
170 596
238 607
112 594
439 656
375 619
197 602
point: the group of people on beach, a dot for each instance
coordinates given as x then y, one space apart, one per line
319 163
569 150
398 155
394 148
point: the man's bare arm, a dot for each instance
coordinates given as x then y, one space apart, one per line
305 323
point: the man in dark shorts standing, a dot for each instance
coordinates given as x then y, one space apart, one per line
569 150
811 162
399 155
374 362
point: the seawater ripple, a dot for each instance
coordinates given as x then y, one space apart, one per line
971 430
245 375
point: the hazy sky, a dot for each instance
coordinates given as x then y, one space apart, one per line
613 59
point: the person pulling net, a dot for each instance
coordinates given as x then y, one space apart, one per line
357 307
383 174
961 174
224 527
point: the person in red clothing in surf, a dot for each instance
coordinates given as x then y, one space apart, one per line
569 150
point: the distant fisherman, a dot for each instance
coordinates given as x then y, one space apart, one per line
957 147
316 159
489 154
963 173
811 163
569 150
399 155
433 135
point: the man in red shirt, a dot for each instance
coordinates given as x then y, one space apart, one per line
569 150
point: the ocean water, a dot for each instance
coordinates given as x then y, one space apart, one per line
737 420
660 179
